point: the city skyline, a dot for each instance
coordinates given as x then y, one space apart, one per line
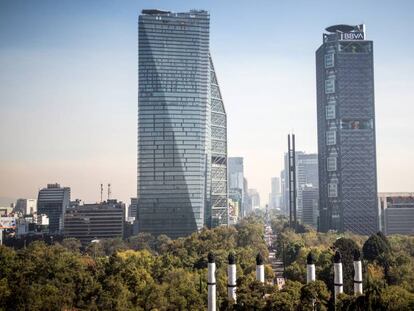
81 85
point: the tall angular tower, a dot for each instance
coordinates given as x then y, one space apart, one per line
180 134
219 184
346 131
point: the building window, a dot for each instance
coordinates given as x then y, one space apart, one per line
330 112
364 124
331 164
329 60
329 86
330 138
332 190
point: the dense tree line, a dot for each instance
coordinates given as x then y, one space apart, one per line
157 273
388 265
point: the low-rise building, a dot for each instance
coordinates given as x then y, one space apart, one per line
396 212
96 221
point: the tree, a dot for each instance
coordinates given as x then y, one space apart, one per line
314 296
251 294
396 298
72 244
181 291
141 241
287 299
374 247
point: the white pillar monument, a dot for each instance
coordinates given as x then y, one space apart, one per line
260 275
231 271
211 283
338 277
310 268
357 273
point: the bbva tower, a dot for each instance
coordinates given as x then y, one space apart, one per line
346 131
182 130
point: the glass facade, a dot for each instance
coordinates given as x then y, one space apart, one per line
178 103
346 132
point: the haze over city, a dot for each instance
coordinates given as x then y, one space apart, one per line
68 85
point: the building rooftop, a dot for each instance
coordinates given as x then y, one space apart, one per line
340 27
155 12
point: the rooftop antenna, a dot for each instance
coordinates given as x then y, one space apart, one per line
109 191
101 192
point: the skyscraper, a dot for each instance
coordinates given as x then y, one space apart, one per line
236 182
346 131
274 197
182 130
53 202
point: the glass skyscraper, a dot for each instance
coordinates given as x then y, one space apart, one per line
182 131
346 131
53 202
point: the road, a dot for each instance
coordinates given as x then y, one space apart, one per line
277 265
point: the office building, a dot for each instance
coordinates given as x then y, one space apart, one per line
236 182
133 208
274 196
346 131
26 206
53 202
310 196
396 212
182 130
306 176
236 173
234 209
97 221
255 198
247 207
284 192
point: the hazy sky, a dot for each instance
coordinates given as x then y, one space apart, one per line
68 87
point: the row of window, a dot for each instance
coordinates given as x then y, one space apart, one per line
332 190
330 86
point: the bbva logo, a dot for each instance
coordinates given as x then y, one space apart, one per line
352 36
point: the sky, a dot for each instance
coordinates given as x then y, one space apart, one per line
68 88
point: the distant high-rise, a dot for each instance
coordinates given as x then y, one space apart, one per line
133 208
26 206
310 197
274 196
53 202
236 182
306 176
182 130
255 198
346 131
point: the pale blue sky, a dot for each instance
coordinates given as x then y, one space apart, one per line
68 87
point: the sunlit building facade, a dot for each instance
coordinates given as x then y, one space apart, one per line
182 130
346 131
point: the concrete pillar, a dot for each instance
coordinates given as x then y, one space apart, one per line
338 278
211 283
260 275
357 273
231 271
310 268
